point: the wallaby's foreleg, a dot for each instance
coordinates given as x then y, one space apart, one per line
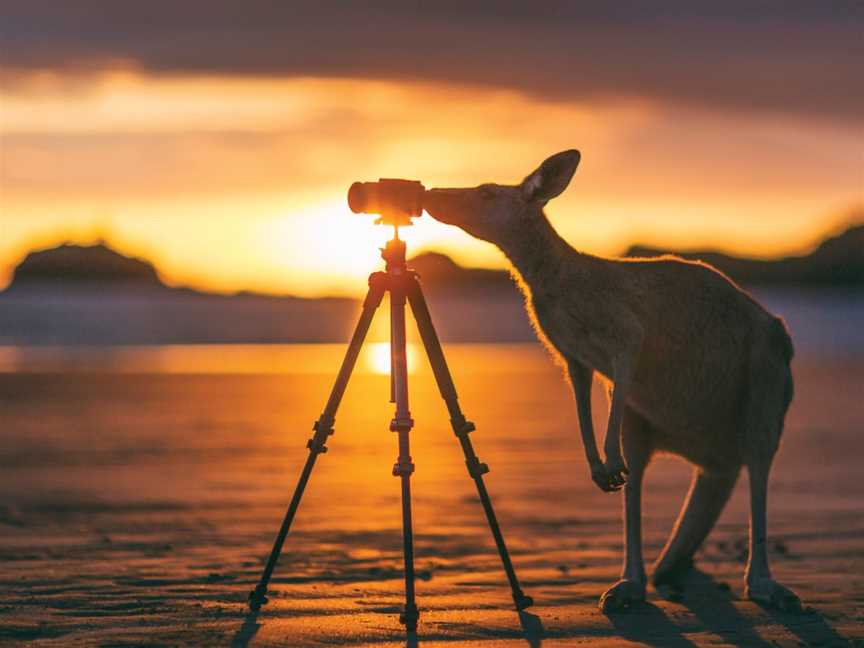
637 449
581 378
623 373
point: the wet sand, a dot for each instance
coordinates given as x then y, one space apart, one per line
140 494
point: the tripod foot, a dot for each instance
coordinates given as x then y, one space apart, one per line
257 598
409 617
522 601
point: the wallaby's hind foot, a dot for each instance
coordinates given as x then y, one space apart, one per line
770 593
622 595
669 579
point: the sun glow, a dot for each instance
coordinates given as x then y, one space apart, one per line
341 248
378 358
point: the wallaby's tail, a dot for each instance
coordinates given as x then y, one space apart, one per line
770 390
781 333
781 339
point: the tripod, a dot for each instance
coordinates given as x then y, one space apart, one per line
403 286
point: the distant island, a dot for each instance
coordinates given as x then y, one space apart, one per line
94 295
90 266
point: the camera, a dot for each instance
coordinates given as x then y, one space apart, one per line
395 201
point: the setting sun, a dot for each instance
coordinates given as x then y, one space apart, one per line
377 357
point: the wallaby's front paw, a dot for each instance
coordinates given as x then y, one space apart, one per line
621 596
601 477
617 471
770 593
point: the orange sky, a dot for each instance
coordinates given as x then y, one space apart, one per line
239 182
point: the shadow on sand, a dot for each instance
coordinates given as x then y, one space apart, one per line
532 627
246 631
712 605
709 601
810 627
646 623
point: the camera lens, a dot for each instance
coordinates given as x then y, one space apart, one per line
395 201
358 197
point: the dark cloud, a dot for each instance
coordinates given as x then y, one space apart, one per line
799 57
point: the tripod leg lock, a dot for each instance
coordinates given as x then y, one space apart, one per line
323 428
257 597
316 445
377 285
401 424
324 424
462 427
402 468
476 468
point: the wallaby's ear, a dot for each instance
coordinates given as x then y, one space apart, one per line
552 177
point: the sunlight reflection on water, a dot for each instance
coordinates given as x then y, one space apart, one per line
256 358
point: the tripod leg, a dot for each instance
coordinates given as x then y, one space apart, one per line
322 429
403 469
402 424
462 427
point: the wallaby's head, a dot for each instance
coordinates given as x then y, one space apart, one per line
496 212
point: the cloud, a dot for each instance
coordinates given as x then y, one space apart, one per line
792 57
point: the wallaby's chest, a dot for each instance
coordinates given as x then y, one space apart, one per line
570 332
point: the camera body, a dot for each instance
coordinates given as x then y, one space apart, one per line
395 201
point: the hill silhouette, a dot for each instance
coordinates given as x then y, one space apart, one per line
439 272
88 266
837 261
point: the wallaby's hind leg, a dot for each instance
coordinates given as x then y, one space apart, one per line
708 494
771 393
637 451
760 586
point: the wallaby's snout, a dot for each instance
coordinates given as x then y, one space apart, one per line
492 211
447 205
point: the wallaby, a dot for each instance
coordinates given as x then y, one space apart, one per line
697 368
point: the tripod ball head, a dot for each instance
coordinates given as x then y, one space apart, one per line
395 201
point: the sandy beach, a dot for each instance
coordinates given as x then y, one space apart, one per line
140 493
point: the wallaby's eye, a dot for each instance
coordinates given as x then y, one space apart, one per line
487 192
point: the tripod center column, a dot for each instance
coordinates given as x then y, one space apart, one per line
397 275
402 421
